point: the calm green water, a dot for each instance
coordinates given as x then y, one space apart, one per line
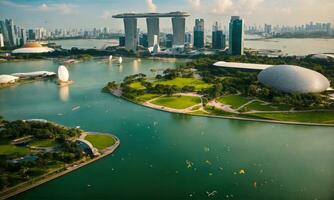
285 161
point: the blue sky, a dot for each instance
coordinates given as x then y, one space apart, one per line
97 13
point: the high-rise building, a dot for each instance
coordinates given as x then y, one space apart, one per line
218 37
2 44
5 34
179 29
143 40
131 34
236 36
31 34
187 38
11 32
121 41
152 30
169 40
267 29
199 33
23 38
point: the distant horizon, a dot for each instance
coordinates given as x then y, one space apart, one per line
83 14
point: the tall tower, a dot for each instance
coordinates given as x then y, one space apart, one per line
5 34
152 30
11 32
218 37
179 30
199 33
236 36
131 34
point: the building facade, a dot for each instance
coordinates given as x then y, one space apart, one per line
236 36
199 33
218 37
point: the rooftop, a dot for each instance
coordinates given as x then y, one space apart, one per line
147 15
241 65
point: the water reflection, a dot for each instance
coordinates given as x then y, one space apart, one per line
136 66
120 68
64 92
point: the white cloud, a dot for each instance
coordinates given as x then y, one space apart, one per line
106 15
250 4
151 6
195 3
222 6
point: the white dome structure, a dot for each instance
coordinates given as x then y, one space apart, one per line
32 47
323 56
63 74
5 79
293 79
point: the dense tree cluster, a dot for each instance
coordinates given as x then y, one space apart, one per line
67 151
39 130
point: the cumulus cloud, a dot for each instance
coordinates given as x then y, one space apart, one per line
250 4
151 6
195 3
222 6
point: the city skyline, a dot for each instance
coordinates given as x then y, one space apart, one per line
84 14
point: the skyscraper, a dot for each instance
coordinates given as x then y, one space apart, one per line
121 41
2 44
267 29
31 34
178 24
218 37
187 38
199 33
23 38
143 40
11 32
4 31
236 36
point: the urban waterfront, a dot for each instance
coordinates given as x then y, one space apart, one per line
169 156
288 46
291 46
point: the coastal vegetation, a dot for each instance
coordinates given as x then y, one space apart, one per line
229 92
31 151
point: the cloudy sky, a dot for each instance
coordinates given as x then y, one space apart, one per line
97 13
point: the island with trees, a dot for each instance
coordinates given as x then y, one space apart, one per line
199 88
33 152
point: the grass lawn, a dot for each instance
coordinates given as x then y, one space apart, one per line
177 102
326 117
137 86
260 106
9 149
146 97
235 101
181 82
100 141
43 143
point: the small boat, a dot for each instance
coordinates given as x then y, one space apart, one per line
110 58
120 60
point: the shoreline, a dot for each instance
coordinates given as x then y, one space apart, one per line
25 186
229 117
